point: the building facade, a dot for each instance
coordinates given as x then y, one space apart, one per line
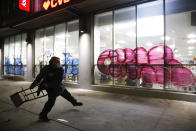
144 47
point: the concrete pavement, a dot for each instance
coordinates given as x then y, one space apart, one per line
101 112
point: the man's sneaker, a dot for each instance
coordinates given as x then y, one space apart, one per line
78 104
44 118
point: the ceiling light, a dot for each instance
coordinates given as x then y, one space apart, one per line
131 34
121 25
150 26
167 38
190 54
177 55
191 41
121 41
176 51
149 44
190 51
67 35
108 29
45 39
191 36
172 46
117 46
191 48
62 35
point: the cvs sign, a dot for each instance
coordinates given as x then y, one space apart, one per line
24 5
53 3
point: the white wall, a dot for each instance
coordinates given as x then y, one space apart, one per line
84 65
29 62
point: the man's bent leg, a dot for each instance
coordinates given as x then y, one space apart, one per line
70 98
47 107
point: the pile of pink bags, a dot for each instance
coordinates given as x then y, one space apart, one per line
122 62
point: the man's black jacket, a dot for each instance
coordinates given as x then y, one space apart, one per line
51 76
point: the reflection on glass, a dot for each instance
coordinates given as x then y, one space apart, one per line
182 78
103 42
72 51
72 38
103 34
6 55
17 46
24 49
13 54
162 61
39 47
6 50
183 43
150 50
182 37
124 44
48 44
11 51
61 40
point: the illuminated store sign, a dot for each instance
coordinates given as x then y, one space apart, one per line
54 3
24 5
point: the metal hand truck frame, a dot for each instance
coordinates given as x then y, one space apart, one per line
26 95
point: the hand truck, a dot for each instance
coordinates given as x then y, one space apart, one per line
26 95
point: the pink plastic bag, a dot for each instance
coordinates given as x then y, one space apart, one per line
182 77
115 70
100 63
132 72
121 55
129 56
142 57
148 75
156 54
160 75
174 61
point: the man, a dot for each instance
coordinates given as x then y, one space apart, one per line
52 76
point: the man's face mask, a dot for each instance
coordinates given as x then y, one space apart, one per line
56 63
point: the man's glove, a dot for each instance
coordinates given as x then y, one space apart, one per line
38 92
31 87
41 87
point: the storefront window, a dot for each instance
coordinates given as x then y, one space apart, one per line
59 41
103 45
39 50
142 52
24 49
72 51
181 38
6 55
11 52
48 44
124 44
15 55
150 44
62 41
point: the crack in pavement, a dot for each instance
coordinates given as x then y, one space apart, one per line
162 113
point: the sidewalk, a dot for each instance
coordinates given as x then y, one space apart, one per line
101 112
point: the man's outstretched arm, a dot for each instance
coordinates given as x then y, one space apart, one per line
38 78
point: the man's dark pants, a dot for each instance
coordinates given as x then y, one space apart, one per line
52 98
